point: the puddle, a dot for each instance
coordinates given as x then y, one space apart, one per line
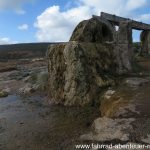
29 124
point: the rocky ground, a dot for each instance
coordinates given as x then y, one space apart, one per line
19 75
125 114
27 121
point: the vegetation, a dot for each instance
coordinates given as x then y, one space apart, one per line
23 51
137 48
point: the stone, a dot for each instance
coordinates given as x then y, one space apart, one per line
78 71
118 103
106 129
3 94
6 90
146 140
42 81
117 19
123 48
27 89
124 33
35 82
92 30
90 61
136 82
145 40
108 94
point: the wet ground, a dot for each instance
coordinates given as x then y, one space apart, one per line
130 100
27 123
30 123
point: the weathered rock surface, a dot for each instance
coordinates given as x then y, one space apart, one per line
106 129
145 40
123 48
88 62
27 89
35 82
119 102
146 140
92 30
3 94
135 82
78 71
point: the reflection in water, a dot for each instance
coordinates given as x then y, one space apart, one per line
29 124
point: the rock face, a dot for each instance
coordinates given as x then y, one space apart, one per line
106 129
136 82
79 69
145 39
123 47
92 30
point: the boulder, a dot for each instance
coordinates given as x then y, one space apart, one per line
92 30
106 129
90 61
118 103
123 48
145 40
136 82
78 71
3 94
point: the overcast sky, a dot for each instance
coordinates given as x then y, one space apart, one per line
54 20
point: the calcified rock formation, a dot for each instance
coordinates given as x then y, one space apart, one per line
145 40
95 54
77 72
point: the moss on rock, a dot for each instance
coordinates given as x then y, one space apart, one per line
3 94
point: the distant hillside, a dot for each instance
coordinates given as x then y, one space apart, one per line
23 51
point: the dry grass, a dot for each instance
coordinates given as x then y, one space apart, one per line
8 66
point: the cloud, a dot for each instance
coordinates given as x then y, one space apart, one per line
144 17
15 5
56 25
132 4
23 27
6 40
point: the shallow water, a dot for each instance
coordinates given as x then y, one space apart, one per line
27 123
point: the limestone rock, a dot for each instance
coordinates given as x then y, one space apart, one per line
145 40
118 103
135 82
35 82
123 48
88 62
56 70
27 89
106 129
92 30
3 94
78 71
108 94
146 140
